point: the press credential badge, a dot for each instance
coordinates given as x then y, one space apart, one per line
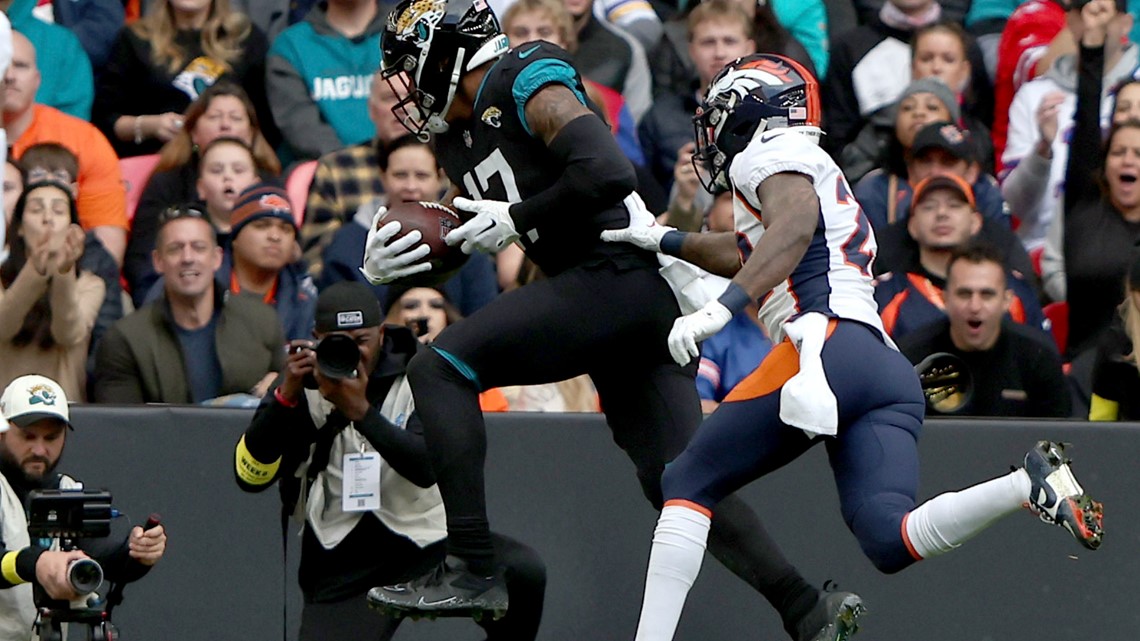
361 491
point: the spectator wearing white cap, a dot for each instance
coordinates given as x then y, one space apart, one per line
33 433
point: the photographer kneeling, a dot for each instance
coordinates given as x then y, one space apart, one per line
367 522
32 437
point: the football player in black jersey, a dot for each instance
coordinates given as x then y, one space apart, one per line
537 166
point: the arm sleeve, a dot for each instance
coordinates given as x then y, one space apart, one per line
294 112
1053 259
274 430
403 449
18 566
116 377
17 300
595 174
75 303
113 553
1085 158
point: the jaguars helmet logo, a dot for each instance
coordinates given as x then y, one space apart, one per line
416 23
41 395
492 117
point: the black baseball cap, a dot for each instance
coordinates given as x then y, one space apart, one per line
946 136
347 305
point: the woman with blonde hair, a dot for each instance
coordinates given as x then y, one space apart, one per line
162 62
1116 377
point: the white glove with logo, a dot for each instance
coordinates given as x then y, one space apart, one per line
383 262
489 231
690 329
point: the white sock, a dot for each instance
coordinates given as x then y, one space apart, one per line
948 520
674 562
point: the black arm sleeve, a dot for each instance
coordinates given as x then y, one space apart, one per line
1085 155
114 553
274 431
403 449
595 174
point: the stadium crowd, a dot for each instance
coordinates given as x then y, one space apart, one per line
185 176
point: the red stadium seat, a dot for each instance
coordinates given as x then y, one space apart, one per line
136 170
297 186
1058 315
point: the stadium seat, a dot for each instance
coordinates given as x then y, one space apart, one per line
1058 315
136 170
297 186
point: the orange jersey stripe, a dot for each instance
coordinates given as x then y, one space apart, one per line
782 363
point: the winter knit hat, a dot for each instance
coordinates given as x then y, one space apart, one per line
934 86
260 200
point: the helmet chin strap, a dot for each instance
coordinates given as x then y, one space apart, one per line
436 121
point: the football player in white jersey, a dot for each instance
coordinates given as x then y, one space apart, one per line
804 248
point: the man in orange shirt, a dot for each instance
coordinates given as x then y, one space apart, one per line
102 197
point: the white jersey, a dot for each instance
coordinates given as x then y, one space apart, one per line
834 276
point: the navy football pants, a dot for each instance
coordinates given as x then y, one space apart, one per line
874 456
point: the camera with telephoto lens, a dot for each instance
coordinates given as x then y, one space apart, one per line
69 515
337 358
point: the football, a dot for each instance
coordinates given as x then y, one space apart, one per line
435 222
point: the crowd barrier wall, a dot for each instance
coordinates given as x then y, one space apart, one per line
559 484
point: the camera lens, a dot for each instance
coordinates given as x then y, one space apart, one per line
337 356
85 575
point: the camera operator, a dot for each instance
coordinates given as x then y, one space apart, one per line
325 441
32 438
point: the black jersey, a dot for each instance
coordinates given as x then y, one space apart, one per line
495 156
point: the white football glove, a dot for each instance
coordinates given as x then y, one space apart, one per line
383 262
646 237
489 231
643 230
690 329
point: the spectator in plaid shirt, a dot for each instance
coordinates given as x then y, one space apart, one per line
348 178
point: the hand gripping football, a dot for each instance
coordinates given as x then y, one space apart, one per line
434 221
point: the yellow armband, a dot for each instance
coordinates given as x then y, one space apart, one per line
8 568
251 470
1102 409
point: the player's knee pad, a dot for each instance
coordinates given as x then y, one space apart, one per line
877 524
431 368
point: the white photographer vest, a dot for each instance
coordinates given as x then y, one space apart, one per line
405 508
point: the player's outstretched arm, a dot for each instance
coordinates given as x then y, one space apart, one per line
791 215
595 174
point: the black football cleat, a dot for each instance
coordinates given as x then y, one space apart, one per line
1058 498
449 590
835 617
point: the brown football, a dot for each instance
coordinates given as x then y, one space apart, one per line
435 222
